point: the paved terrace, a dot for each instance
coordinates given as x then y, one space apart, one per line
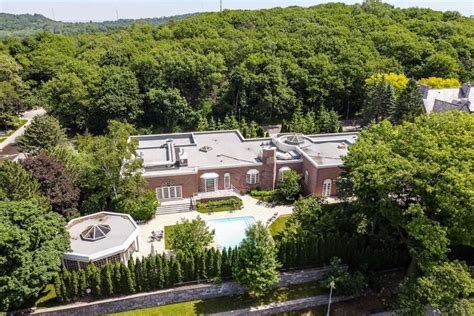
251 208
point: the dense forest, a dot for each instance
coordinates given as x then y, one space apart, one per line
23 25
255 65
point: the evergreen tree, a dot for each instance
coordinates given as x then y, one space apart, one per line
409 104
202 124
152 275
225 268
58 287
166 271
210 262
176 271
107 284
310 126
217 264
201 270
138 275
297 123
117 278
81 291
128 284
253 130
160 281
131 267
74 285
379 102
327 121
256 266
212 124
67 290
230 122
44 132
94 280
243 127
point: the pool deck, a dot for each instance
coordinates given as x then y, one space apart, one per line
250 208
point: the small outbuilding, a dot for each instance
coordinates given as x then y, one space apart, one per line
100 238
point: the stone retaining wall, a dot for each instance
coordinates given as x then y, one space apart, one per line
171 296
287 306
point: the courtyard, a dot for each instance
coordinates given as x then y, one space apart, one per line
251 208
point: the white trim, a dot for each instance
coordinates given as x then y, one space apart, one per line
327 187
253 171
227 181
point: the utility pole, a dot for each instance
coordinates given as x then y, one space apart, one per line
221 5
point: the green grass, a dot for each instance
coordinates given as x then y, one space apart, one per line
228 303
169 230
47 297
278 225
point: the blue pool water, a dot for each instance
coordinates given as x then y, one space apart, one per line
229 232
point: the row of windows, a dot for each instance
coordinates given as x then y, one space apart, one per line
171 191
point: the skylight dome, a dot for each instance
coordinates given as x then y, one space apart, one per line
95 232
295 139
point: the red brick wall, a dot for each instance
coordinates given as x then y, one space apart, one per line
189 183
327 173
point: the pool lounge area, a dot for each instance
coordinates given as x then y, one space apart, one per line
229 232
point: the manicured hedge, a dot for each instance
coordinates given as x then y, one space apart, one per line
219 205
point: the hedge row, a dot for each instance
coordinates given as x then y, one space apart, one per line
211 205
148 274
158 272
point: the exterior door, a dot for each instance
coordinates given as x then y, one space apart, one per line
327 185
227 181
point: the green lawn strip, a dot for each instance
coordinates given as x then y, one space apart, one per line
169 230
223 304
47 297
278 225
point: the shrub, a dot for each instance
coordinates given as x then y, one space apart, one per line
219 205
344 283
141 207
289 188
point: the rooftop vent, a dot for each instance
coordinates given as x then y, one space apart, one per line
95 232
205 148
295 139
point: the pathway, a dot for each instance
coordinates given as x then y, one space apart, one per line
7 147
251 208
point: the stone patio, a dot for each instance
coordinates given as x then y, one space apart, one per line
260 212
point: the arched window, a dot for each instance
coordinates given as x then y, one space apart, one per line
327 185
306 177
281 172
227 181
253 176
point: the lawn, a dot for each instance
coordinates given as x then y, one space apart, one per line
278 225
169 230
47 297
228 303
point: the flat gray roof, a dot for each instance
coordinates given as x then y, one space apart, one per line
121 228
229 148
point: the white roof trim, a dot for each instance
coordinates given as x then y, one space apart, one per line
253 171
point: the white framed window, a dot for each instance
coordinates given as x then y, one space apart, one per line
253 176
327 186
210 185
306 177
281 173
169 192
227 181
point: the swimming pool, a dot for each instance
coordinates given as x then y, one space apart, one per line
229 232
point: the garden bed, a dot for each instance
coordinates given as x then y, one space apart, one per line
219 205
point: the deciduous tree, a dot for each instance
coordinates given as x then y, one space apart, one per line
256 267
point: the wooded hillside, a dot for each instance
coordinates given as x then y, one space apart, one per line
257 65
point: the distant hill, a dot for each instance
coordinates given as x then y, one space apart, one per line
28 24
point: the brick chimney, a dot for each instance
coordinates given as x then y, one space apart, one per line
267 180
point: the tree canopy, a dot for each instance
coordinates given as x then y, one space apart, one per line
257 265
417 178
44 132
190 236
256 65
32 240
